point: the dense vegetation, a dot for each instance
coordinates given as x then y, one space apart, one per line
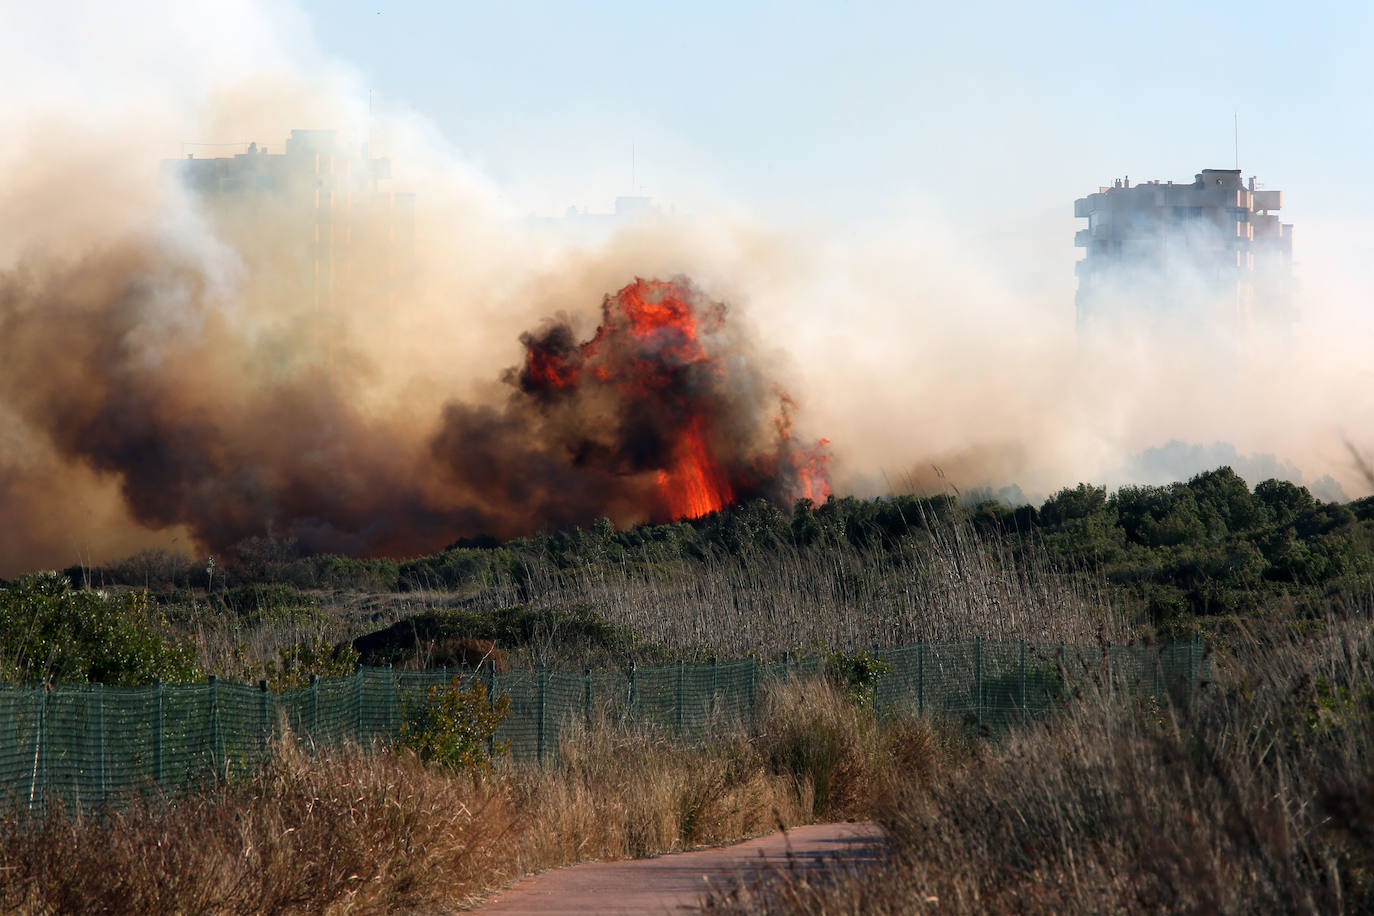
754 578
1198 547
53 632
1210 546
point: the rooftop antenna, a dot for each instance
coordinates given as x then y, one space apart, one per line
1235 123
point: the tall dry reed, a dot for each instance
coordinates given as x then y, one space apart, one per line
952 583
1258 798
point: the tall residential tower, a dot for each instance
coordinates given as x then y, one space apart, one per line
1212 250
322 227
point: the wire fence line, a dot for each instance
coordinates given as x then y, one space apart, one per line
90 745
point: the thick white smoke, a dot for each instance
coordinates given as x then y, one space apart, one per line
908 343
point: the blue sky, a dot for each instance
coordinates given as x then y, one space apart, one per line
855 111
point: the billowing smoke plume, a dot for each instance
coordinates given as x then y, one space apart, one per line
661 409
169 376
660 415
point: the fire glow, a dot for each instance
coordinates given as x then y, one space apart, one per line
664 412
657 359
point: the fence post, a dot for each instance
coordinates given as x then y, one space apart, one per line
157 737
715 686
543 681
358 706
753 684
314 710
1024 713
491 698
786 666
587 697
1063 671
978 679
216 758
1193 664
1157 655
677 723
390 702
920 678
47 738
100 742
634 691
877 680
265 714
40 767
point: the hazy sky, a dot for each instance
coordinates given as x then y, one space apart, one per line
1001 112
883 194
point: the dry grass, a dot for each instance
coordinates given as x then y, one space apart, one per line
348 831
951 583
338 832
947 581
1260 799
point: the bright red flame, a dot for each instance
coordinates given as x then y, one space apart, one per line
694 484
656 358
813 482
662 316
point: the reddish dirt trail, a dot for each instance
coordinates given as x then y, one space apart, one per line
676 883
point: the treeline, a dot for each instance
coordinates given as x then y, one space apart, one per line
1170 560
1207 546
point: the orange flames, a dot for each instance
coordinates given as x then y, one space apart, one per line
657 356
694 484
813 482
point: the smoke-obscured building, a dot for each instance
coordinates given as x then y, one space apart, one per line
629 211
1211 250
318 217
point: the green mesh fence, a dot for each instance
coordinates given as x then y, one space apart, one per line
89 745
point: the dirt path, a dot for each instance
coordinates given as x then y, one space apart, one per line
676 883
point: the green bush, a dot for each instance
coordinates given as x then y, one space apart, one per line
298 662
453 728
265 602
53 632
857 673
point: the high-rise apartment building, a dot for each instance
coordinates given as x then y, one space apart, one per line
1211 250
317 220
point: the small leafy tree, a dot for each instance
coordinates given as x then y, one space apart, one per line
297 662
453 728
52 632
857 673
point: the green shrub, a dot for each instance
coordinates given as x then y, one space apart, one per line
297 662
857 673
53 632
453 728
576 629
274 602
